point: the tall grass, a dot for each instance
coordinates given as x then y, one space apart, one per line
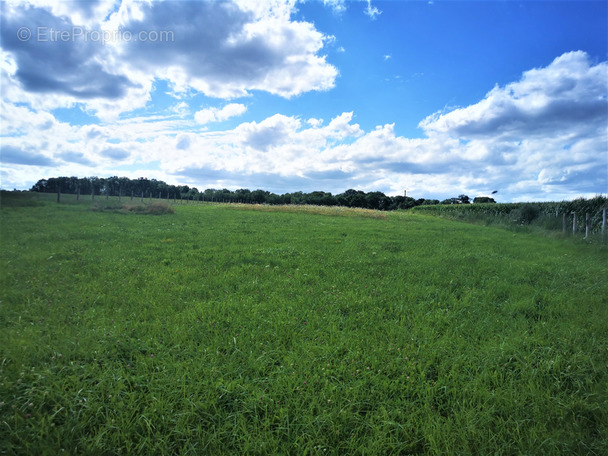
223 330
542 218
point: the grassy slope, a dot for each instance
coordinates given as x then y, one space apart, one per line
229 330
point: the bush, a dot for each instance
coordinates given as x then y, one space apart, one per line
526 214
156 208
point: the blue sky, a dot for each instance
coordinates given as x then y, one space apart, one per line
441 98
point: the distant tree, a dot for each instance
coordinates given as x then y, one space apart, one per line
403 202
40 186
377 200
464 199
243 195
259 196
273 198
320 199
353 198
483 199
297 198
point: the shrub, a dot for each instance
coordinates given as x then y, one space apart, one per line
156 208
526 214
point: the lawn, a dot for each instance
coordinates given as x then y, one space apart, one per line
235 329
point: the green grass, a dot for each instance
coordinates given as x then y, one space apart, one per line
223 329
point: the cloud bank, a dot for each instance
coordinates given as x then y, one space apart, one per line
542 136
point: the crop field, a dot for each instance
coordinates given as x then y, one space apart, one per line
127 328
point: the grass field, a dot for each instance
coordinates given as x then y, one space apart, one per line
223 329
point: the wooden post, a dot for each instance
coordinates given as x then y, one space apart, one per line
604 221
131 195
564 222
587 224
142 196
93 194
78 193
107 194
574 223
58 194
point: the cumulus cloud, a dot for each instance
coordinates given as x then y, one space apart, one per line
217 115
44 65
540 137
115 153
227 49
20 156
75 157
222 49
271 132
548 128
183 142
567 94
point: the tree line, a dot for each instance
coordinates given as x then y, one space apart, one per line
153 188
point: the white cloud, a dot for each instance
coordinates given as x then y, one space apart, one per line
569 94
371 11
217 115
542 137
222 49
247 46
337 6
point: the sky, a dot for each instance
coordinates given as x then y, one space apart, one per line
436 98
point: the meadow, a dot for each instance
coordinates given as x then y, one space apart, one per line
235 329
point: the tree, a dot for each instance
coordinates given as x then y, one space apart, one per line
403 202
353 198
259 196
377 200
40 186
243 195
483 199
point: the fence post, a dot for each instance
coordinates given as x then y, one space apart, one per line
587 224
574 223
142 196
58 194
78 193
131 195
93 195
604 221
564 222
